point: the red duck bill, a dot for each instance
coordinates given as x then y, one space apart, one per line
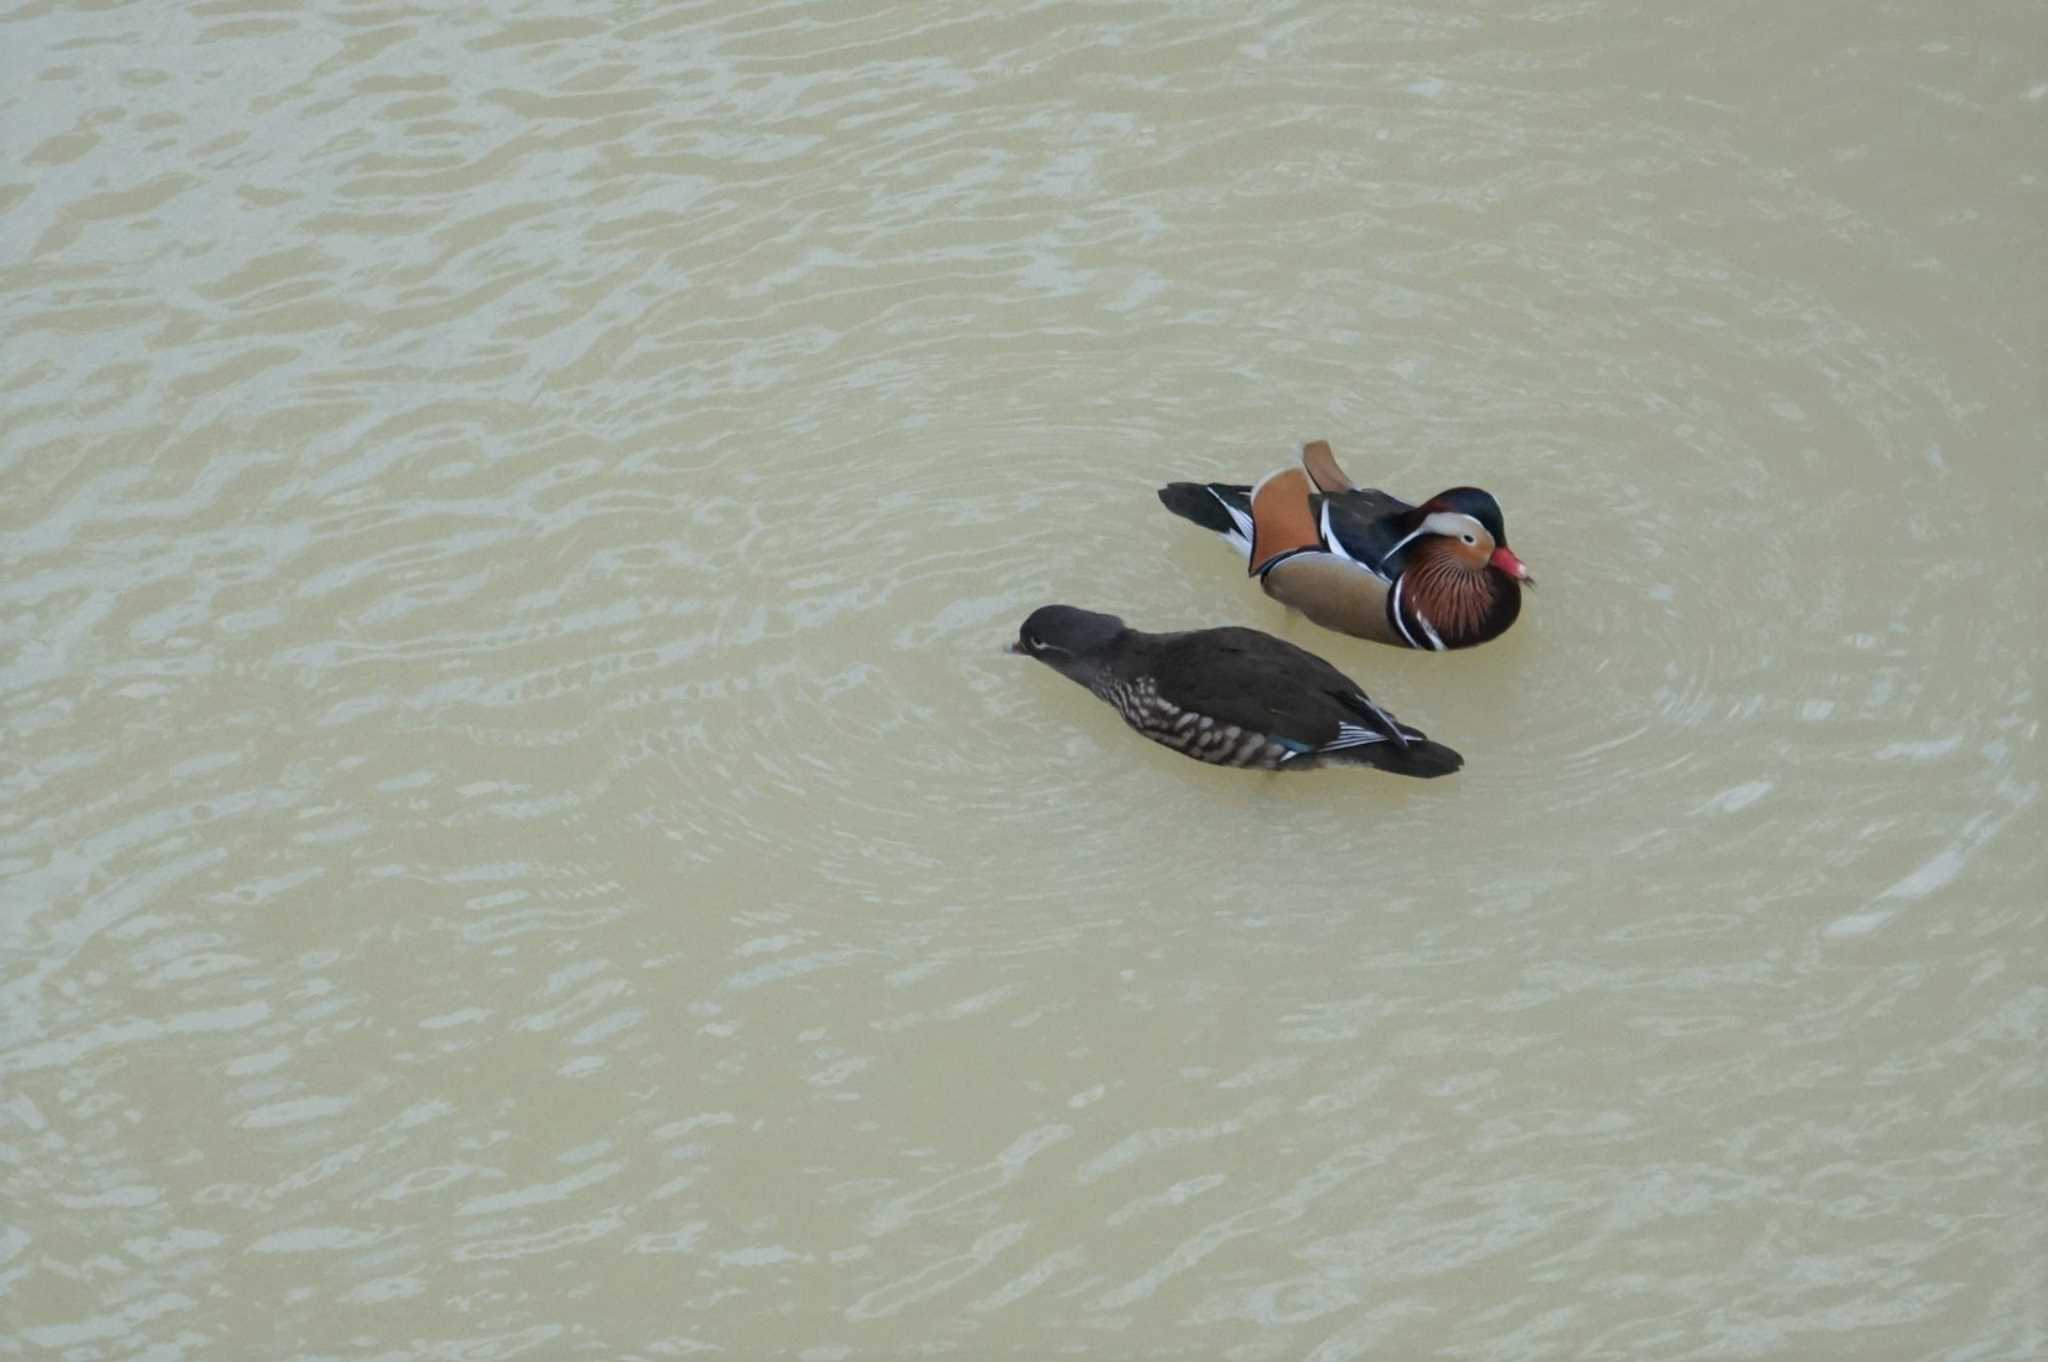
1504 559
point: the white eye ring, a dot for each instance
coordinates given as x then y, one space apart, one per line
1468 538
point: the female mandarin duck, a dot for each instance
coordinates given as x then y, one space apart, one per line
1230 697
1362 562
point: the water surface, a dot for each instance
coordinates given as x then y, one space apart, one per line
519 838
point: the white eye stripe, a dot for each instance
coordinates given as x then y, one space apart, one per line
1453 525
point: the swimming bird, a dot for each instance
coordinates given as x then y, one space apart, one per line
1364 562
1230 697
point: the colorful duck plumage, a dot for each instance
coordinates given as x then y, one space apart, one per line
1362 561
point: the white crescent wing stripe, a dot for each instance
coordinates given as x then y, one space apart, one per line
1394 609
1402 543
1336 545
1428 628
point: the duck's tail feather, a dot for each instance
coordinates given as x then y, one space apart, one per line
1422 758
1222 507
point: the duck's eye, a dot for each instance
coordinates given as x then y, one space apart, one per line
1033 642
1468 538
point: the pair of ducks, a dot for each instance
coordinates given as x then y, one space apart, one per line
1353 559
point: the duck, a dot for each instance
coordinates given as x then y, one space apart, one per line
1229 696
1363 562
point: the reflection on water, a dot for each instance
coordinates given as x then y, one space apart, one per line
519 837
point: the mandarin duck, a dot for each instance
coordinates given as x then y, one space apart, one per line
1230 697
1363 562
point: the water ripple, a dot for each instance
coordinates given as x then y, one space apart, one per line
519 837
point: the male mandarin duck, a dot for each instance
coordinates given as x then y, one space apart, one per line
1363 562
1230 697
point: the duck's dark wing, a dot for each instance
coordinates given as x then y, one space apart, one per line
1223 507
1366 523
1267 685
1413 755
